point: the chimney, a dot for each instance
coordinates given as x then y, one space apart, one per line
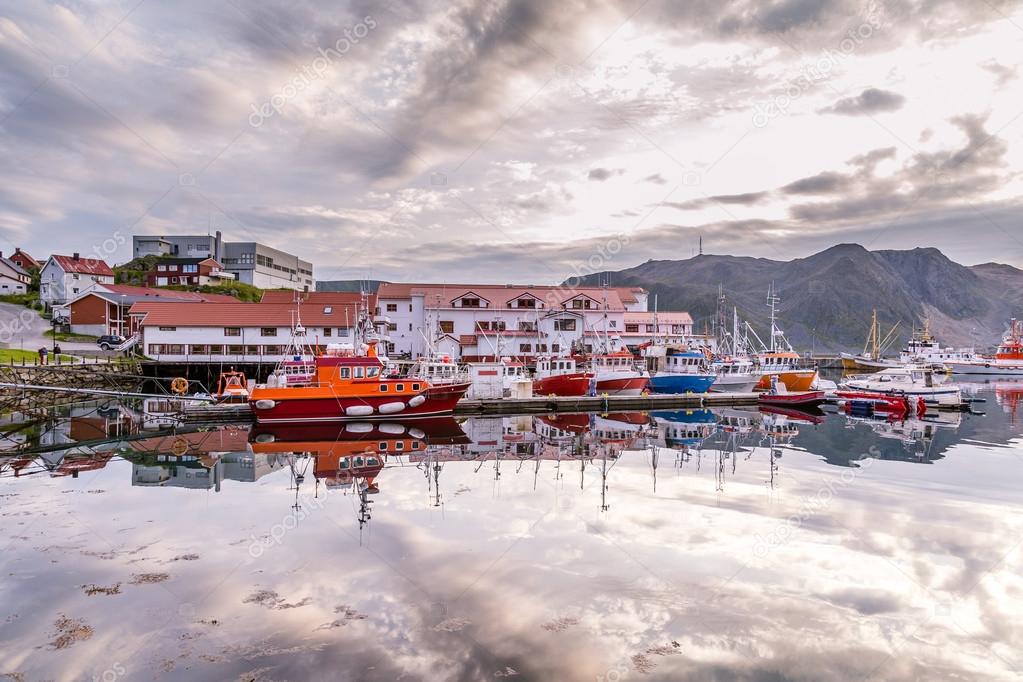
76 256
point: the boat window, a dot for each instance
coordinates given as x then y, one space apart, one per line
345 373
359 461
372 371
358 372
383 388
343 464
415 445
415 387
382 445
373 461
399 445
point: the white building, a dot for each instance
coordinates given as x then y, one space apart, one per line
64 277
476 321
235 332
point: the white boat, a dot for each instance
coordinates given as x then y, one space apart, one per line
911 381
922 349
735 375
1008 361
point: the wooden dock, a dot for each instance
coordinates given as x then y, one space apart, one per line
536 405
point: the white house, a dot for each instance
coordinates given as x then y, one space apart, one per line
13 278
64 277
487 320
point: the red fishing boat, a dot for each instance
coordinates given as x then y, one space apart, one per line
560 376
800 399
352 387
616 374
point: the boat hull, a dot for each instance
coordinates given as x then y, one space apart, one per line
986 368
794 380
735 383
681 383
317 406
801 399
623 386
949 397
574 384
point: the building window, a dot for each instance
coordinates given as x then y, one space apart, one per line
527 303
632 329
232 331
273 350
327 331
268 331
236 350
156 349
168 329
161 268
392 327
447 326
650 328
216 350
581 303
199 349
175 349
527 326
253 350
190 268
392 307
470 302
342 331
564 325
525 348
555 347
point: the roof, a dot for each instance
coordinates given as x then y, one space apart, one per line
198 314
18 270
85 266
499 295
335 298
132 294
30 259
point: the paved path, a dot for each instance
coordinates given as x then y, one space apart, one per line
23 328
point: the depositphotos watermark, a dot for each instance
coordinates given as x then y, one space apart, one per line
311 72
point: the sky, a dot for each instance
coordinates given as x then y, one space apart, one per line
516 140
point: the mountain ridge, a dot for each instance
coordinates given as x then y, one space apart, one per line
827 298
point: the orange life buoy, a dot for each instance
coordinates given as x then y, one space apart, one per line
179 385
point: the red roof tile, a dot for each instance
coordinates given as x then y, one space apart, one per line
85 266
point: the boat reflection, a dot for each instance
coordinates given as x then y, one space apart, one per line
354 457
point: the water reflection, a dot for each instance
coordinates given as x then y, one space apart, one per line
691 544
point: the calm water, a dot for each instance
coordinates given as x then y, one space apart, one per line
685 546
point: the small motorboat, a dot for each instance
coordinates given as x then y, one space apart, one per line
786 399
911 382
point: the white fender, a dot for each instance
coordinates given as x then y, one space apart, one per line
395 429
359 427
265 438
265 404
417 433
359 411
417 400
391 408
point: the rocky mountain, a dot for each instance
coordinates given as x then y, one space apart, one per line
827 298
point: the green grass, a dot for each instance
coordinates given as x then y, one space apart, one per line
70 337
243 292
8 355
30 299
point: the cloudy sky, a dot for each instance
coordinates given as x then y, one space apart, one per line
516 139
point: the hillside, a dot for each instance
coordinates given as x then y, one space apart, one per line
354 285
827 298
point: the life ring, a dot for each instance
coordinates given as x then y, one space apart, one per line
179 385
179 447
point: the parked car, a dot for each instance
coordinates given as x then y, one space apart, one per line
109 341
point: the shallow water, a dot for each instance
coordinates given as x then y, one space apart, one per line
690 545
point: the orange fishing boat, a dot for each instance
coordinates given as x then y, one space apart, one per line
790 369
351 387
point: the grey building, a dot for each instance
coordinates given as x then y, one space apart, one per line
267 268
250 262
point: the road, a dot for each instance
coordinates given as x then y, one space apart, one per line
23 328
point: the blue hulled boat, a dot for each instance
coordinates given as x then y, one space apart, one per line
684 372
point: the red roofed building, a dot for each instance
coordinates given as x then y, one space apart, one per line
103 308
236 332
64 277
494 320
23 260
